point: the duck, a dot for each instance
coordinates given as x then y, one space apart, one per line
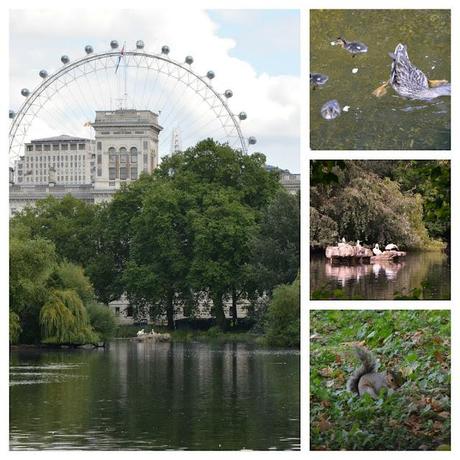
318 79
352 47
331 109
391 247
376 250
410 82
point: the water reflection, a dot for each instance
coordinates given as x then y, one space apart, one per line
155 396
384 279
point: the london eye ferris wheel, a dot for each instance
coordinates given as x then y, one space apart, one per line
190 108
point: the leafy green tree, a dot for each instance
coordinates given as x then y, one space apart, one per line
276 248
15 327
222 232
64 320
160 250
102 321
283 316
113 232
31 263
67 222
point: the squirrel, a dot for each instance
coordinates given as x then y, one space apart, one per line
366 379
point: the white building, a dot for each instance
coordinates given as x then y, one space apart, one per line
63 160
126 144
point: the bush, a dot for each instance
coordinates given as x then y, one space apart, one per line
102 320
15 327
283 316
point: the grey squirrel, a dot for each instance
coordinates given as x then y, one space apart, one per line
366 379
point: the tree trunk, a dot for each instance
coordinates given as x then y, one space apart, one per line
218 308
170 310
234 310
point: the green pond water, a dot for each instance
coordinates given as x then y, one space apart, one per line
383 280
141 396
389 122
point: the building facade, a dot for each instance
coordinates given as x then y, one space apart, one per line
125 145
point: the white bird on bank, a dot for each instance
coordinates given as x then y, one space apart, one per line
391 247
141 332
358 244
376 250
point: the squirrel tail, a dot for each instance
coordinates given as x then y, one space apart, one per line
369 365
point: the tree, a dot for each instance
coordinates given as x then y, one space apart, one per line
276 247
64 320
67 222
102 321
160 250
283 316
222 233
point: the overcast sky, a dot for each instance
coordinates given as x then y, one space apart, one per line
253 52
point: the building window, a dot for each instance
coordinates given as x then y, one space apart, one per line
112 174
99 145
73 146
146 145
99 172
138 132
64 146
55 147
38 148
47 147
105 132
133 173
30 148
145 159
81 146
123 173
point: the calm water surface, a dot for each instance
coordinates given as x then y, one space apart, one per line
390 122
382 280
155 396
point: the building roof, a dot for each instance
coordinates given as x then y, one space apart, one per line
61 138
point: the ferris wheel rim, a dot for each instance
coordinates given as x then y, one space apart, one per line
90 57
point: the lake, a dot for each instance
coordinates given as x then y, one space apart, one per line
382 280
389 122
144 396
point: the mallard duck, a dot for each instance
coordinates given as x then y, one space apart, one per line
352 47
318 79
410 82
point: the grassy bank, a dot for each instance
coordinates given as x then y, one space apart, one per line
416 416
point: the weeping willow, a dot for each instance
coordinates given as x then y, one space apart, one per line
64 320
15 327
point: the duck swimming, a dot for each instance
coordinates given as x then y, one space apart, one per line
318 79
352 47
331 110
410 82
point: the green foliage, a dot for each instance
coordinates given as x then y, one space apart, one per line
15 327
102 321
364 203
414 417
64 320
283 316
276 247
67 222
70 276
431 179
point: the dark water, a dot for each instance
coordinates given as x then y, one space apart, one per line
390 122
155 396
382 280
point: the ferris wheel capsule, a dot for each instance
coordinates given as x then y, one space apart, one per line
228 93
252 140
140 44
43 74
242 115
189 60
65 59
210 74
25 92
12 114
165 49
114 44
89 49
